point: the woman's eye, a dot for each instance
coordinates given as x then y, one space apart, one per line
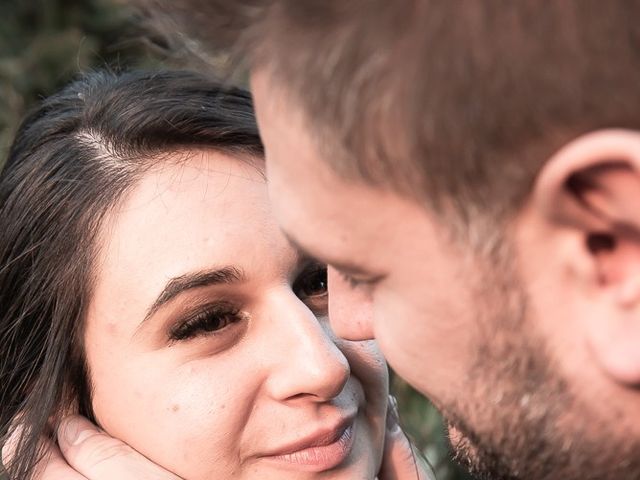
208 321
311 288
312 283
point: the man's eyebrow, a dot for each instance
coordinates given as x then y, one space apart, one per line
345 267
220 276
292 241
304 255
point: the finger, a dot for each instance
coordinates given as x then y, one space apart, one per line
98 456
400 461
51 467
54 466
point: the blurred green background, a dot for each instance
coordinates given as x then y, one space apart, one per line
44 43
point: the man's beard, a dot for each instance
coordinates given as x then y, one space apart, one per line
519 419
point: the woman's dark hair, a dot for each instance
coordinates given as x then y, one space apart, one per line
71 161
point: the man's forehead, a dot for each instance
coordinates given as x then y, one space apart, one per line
295 167
319 211
270 96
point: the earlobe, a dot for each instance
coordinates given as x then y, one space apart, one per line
619 351
591 188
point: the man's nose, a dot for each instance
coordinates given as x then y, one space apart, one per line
350 309
308 364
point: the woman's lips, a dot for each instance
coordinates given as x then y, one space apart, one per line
319 452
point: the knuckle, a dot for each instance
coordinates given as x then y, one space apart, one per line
98 451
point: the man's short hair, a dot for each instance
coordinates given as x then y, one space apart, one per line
457 102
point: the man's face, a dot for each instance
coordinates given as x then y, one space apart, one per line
391 267
395 276
462 329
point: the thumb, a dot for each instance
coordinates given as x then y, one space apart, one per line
51 466
400 461
97 456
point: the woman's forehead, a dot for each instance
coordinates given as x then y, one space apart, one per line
185 217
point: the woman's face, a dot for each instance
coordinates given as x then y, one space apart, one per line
207 339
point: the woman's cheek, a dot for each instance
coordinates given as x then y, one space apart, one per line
179 417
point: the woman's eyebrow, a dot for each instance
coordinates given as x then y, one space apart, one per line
220 276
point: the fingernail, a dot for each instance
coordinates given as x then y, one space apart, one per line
74 431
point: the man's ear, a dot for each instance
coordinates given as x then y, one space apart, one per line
591 188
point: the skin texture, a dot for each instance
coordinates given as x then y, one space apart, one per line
213 405
530 352
516 347
86 452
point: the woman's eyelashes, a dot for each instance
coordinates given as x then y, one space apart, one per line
207 320
215 318
311 288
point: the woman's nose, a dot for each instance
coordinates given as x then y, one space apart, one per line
307 362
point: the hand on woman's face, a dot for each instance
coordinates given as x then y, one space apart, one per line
207 338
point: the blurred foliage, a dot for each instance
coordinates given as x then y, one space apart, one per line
424 426
44 43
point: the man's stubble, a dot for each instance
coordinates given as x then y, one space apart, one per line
519 418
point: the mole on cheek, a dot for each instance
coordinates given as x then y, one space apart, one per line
175 407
